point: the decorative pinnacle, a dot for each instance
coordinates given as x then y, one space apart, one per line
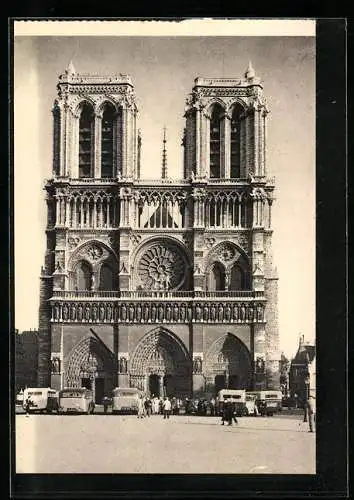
164 156
250 72
71 68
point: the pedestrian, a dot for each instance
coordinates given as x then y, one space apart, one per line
212 407
148 407
27 405
234 413
224 408
140 406
166 408
155 405
311 412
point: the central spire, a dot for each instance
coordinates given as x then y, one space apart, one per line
164 156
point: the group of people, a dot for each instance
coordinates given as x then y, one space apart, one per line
228 413
154 406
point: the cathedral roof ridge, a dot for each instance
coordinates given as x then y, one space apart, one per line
202 81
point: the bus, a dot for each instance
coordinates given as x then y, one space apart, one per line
41 399
236 396
125 400
76 400
268 402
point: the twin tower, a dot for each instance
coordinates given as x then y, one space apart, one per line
166 284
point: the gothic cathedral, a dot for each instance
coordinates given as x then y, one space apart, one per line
166 285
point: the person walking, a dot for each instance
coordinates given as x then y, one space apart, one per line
311 412
148 406
166 408
140 407
27 405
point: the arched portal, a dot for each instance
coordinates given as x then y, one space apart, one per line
91 365
217 277
228 365
161 365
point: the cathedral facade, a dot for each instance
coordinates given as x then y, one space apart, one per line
166 285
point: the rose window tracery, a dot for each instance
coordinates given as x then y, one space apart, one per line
162 267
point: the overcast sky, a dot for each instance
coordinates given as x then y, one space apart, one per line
163 70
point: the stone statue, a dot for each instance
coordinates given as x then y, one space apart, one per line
56 311
212 312
123 366
94 312
206 313
87 312
260 312
182 312
131 312
79 312
73 312
220 313
65 312
146 312
197 365
189 313
242 312
168 312
161 312
123 312
259 365
102 312
153 312
198 312
250 312
175 312
235 312
138 312
227 312
109 312
55 365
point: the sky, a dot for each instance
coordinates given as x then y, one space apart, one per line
163 69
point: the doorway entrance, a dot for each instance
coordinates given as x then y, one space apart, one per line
154 385
233 382
99 390
86 382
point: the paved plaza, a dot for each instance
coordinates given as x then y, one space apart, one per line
182 444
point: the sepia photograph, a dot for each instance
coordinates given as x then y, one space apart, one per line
165 247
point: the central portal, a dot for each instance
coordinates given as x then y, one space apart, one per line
161 365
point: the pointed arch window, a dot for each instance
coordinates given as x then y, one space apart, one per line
86 126
235 142
83 276
107 140
237 281
106 278
217 277
215 142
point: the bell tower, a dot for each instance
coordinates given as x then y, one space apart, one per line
225 158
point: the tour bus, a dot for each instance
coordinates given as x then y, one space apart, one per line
125 400
76 400
268 402
42 399
237 396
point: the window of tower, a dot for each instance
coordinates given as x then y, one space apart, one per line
107 141
86 124
215 142
235 141
83 276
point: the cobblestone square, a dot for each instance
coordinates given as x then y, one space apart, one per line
183 444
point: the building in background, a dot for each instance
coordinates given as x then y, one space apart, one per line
166 285
302 375
26 359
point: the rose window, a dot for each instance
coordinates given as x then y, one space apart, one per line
162 268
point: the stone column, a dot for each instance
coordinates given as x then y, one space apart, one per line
97 145
259 356
256 123
161 391
197 143
227 146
